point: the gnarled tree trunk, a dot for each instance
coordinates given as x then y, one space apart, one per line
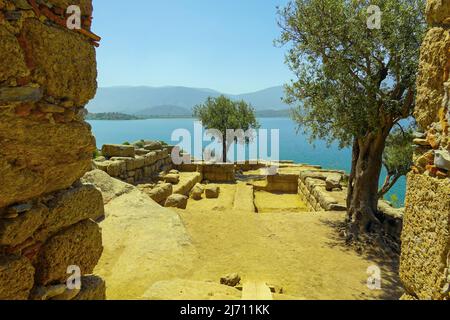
362 199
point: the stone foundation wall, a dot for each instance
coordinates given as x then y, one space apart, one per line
312 190
425 257
47 75
133 165
211 172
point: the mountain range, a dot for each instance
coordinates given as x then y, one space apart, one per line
176 101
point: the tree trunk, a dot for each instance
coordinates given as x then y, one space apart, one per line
362 199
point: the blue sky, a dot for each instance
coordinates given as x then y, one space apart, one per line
226 45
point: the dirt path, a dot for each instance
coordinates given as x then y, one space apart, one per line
302 253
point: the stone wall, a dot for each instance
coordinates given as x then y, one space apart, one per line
133 164
425 257
47 75
219 172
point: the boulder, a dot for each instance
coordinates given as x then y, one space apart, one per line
212 191
442 159
16 278
172 178
333 181
79 245
231 280
176 201
118 150
160 193
197 192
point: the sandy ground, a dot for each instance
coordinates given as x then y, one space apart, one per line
152 252
298 251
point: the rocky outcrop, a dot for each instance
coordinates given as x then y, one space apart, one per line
143 242
47 216
425 259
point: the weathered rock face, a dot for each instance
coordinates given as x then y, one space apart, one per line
438 12
433 61
47 75
426 236
425 257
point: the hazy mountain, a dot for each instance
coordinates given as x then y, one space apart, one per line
150 101
165 110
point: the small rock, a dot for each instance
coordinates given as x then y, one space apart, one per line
212 192
172 178
231 280
176 201
442 159
174 172
197 192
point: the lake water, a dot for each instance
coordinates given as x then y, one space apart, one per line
293 145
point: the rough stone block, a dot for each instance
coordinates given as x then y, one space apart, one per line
13 61
212 192
70 207
64 62
15 231
438 11
430 88
92 288
118 150
426 237
40 157
79 245
177 201
16 278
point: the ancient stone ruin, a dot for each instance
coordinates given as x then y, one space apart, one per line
48 231
425 257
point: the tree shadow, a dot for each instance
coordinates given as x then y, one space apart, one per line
382 256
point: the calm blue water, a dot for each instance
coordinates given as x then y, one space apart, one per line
293 146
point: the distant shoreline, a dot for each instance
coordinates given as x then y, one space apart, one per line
127 117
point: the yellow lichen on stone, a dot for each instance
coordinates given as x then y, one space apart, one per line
13 61
65 62
425 237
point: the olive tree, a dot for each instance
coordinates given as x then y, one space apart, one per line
223 114
353 83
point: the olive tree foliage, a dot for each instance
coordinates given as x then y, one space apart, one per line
353 84
397 157
223 114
